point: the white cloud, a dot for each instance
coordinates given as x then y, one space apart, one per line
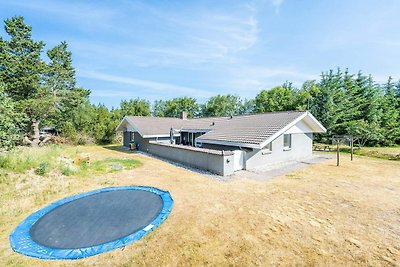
151 36
277 4
204 37
113 94
221 33
247 81
163 88
261 74
85 16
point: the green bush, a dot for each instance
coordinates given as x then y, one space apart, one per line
10 121
67 171
42 169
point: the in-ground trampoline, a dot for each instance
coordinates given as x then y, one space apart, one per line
91 223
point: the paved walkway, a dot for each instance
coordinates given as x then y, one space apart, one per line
268 172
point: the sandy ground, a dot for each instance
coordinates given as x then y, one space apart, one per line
271 171
319 215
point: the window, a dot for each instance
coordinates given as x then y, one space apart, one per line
287 141
267 149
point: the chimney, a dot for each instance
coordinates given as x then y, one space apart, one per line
184 115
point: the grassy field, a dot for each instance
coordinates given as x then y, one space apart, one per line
322 215
56 158
390 153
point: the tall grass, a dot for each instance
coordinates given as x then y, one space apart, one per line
43 160
25 158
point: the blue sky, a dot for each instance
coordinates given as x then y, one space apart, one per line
164 49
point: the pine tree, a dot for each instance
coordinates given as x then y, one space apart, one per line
10 119
390 114
21 67
328 105
45 93
362 108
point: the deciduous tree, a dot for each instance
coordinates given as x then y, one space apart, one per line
135 107
174 107
277 99
222 105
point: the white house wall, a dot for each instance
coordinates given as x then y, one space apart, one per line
300 127
301 148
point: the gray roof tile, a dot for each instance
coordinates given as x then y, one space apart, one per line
155 125
250 129
246 129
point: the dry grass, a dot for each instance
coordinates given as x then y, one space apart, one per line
392 153
322 215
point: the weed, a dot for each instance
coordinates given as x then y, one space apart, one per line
42 169
3 177
44 159
292 176
67 171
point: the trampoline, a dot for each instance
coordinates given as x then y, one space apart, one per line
91 223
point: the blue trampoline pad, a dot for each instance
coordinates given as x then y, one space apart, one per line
91 223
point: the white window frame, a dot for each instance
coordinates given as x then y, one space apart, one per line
289 146
267 149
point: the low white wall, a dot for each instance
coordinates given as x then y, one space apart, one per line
211 160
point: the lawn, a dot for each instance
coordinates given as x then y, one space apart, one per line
322 215
392 153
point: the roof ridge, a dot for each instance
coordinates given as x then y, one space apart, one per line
222 117
252 114
151 117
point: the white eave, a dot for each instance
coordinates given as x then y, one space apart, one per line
227 143
314 124
158 135
130 126
194 130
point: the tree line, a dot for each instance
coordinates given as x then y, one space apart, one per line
35 92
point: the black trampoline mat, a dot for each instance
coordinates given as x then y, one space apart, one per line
96 219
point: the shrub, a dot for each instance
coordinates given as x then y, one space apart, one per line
84 139
67 171
42 169
9 122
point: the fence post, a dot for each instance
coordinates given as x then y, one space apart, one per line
337 152
351 144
